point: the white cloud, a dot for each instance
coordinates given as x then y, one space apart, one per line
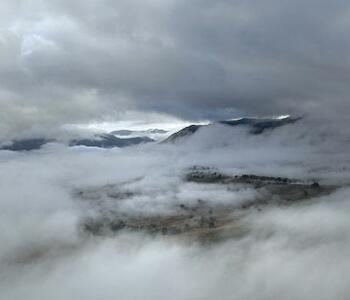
294 253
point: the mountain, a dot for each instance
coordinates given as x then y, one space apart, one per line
125 132
187 131
99 140
25 144
256 125
259 125
110 141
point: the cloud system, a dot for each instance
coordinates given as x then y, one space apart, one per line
291 252
70 62
277 197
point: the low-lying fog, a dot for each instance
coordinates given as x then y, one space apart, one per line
294 252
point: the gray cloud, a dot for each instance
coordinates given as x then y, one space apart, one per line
63 62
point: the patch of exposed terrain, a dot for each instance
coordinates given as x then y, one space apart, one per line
197 219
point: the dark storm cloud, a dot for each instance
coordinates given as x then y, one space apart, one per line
65 61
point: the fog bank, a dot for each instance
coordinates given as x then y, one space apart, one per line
294 252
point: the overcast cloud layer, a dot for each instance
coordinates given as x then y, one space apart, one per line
75 61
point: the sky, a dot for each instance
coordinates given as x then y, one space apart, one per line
89 61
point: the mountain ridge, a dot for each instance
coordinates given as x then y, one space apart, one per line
104 140
257 126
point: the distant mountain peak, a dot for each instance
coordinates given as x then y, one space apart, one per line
104 140
127 132
257 125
